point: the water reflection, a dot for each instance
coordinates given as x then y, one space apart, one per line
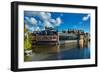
59 52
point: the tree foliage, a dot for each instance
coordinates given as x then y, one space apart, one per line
27 40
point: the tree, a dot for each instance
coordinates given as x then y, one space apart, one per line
27 44
27 39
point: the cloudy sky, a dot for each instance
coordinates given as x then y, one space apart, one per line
60 21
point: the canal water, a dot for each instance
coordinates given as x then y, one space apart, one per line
68 51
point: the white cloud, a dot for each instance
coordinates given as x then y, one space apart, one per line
27 27
31 29
33 20
37 29
85 18
27 19
49 14
34 29
30 23
53 21
44 16
47 24
48 21
58 21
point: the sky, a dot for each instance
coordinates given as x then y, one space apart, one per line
59 21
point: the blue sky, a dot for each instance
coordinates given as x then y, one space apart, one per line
61 21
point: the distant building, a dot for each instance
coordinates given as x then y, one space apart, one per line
48 35
72 34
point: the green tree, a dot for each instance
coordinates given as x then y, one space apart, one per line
27 40
27 44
